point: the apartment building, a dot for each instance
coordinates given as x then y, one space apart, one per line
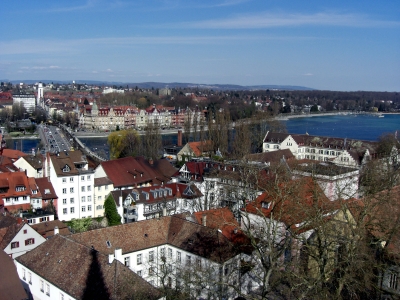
73 182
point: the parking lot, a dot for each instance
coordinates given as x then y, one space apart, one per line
54 139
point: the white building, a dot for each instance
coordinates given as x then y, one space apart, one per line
73 182
163 250
344 152
20 238
66 270
28 100
33 165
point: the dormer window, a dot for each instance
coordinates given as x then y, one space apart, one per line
66 168
265 205
19 188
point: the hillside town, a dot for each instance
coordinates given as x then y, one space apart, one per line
267 214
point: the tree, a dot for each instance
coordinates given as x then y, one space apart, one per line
241 144
110 212
152 142
124 143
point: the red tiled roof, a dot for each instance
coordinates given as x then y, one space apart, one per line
13 154
224 220
292 203
130 171
197 147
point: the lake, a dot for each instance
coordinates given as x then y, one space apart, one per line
361 127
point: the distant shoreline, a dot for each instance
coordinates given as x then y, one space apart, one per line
285 118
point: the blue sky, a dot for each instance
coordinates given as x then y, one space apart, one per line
332 45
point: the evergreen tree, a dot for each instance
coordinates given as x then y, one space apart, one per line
110 211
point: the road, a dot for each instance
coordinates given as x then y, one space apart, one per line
53 139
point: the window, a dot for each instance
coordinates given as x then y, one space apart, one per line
88 177
72 210
64 180
64 190
89 188
169 253
65 201
71 190
83 199
151 271
83 208
23 274
99 188
106 187
42 286
99 198
83 189
162 252
30 241
89 198
178 256
30 277
71 179
25 231
393 280
82 178
89 208
65 211
188 260
127 261
151 256
139 259
61 296
14 245
139 273
47 289
198 263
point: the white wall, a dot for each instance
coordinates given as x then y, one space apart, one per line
38 287
25 233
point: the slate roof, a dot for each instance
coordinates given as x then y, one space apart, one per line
102 181
179 190
131 171
85 273
270 157
46 229
9 230
71 158
35 161
46 188
323 142
172 230
10 284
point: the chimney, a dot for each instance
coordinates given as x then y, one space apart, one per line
151 161
110 258
56 231
204 220
179 138
19 220
118 254
164 211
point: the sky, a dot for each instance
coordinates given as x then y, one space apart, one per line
330 45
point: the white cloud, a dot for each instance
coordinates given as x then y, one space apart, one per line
268 20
